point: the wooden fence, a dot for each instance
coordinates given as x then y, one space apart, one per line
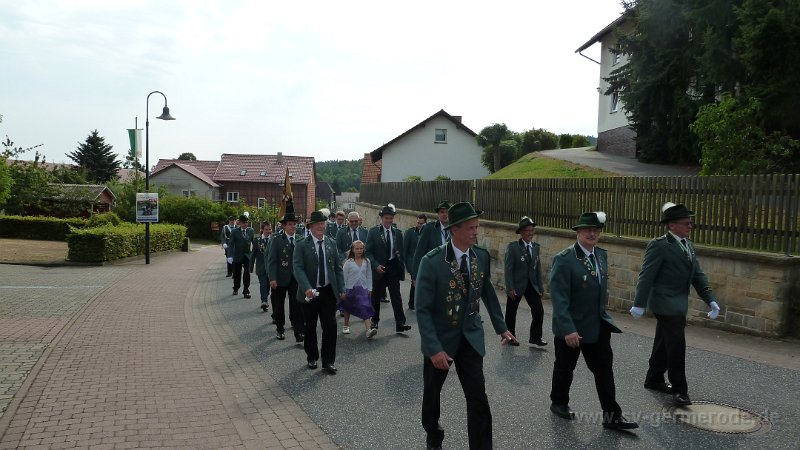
755 212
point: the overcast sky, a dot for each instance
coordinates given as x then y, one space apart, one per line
329 79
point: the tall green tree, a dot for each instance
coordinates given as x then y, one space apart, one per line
187 156
657 85
96 157
499 146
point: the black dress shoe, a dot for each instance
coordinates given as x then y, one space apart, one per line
312 364
620 423
659 386
265 307
280 336
681 399
246 295
403 328
330 368
299 337
540 342
513 343
433 447
562 411
385 300
228 275
235 292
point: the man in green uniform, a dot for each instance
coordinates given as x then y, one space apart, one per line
282 280
523 276
410 239
240 246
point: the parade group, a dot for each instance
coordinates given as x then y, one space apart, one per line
332 263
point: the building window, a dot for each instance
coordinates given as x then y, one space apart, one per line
233 197
441 136
262 202
616 56
189 193
615 102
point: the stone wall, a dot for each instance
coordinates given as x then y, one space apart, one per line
759 292
618 141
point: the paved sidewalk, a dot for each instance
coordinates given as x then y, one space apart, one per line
148 364
618 164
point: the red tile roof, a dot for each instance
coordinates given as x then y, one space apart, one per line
370 171
191 170
231 166
208 168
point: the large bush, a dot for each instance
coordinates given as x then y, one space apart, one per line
193 212
38 227
108 242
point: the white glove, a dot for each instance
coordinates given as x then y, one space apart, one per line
230 260
225 246
714 310
637 312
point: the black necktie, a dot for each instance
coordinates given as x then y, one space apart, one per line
321 264
389 243
291 242
355 235
465 271
530 252
686 249
446 235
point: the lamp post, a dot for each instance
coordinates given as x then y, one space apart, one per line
164 116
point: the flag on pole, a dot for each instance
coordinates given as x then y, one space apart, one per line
286 199
135 136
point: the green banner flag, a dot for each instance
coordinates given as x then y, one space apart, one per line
135 136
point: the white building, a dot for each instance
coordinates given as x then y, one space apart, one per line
614 134
439 145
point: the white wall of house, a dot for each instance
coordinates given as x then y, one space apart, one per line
609 117
179 182
418 154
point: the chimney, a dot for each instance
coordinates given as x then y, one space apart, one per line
457 118
279 159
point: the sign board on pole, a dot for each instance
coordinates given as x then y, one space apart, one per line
147 207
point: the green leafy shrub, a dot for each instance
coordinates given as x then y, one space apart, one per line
38 227
193 212
108 218
109 242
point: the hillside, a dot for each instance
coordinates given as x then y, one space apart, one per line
534 165
342 175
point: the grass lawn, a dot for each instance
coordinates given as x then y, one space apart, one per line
533 165
32 251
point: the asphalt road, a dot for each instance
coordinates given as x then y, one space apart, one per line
621 165
375 399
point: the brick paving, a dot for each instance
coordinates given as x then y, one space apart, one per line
146 364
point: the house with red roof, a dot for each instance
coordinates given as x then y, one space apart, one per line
254 179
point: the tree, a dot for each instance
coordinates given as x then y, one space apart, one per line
412 179
96 157
5 181
29 188
442 178
188 156
537 139
499 146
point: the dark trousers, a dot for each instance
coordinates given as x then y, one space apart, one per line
469 367
411 296
241 275
279 308
537 312
323 307
263 286
669 353
599 359
391 281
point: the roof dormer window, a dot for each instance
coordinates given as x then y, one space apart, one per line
243 172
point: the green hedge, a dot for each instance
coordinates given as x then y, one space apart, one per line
38 227
108 243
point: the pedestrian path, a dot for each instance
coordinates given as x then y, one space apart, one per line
148 364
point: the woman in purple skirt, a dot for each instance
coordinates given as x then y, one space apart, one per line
358 287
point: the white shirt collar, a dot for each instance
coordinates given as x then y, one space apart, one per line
458 252
290 237
586 252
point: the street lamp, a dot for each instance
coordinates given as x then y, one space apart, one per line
164 116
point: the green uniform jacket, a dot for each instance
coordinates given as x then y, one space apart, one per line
332 229
430 237
443 313
579 302
279 258
306 265
259 261
410 240
375 250
667 272
240 244
344 239
520 268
